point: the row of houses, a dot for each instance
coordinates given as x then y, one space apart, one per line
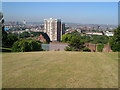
107 33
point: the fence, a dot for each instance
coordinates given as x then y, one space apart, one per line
54 47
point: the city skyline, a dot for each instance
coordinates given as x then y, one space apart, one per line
71 12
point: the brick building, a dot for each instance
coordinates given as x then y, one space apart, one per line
44 38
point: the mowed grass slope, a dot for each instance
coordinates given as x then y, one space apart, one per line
57 69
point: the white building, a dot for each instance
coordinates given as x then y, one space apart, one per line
24 22
107 33
79 30
94 33
54 29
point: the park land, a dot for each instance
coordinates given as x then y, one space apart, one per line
60 69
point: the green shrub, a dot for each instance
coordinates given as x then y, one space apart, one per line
100 47
68 48
115 40
11 38
86 49
25 45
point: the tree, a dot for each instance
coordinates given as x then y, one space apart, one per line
66 38
115 40
24 35
11 38
34 45
100 39
7 39
16 47
76 43
25 45
95 39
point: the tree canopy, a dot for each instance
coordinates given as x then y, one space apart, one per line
74 40
95 39
115 41
11 38
25 45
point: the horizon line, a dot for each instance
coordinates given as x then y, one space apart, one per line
65 23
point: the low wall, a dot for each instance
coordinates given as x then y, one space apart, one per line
93 47
54 47
62 46
107 48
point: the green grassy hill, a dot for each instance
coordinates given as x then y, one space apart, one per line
57 69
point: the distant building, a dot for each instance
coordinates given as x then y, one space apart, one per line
54 28
107 33
94 33
63 29
24 22
41 38
79 30
69 31
8 27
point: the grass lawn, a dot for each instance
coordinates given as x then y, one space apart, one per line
60 69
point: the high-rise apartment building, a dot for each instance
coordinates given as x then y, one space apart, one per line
53 27
62 29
